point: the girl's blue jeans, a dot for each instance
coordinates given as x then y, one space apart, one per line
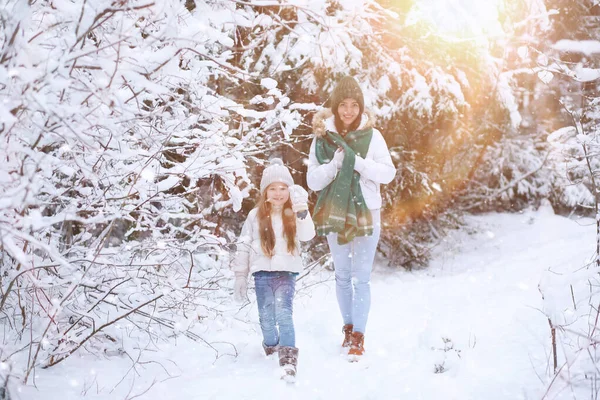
353 263
274 296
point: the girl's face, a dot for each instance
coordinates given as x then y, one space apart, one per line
277 194
348 111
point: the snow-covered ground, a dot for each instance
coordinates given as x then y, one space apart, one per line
474 315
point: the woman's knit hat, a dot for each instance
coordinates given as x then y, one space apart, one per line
275 172
347 88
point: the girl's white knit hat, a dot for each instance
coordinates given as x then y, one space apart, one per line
275 172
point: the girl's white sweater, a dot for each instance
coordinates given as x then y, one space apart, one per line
250 258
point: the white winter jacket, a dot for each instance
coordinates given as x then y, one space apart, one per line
250 258
375 169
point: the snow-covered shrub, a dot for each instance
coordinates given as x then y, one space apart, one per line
570 301
125 139
514 174
570 154
437 136
571 294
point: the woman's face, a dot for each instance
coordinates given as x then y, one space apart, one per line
348 111
277 194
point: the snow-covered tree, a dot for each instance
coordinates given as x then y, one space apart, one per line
121 148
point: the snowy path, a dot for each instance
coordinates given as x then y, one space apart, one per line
480 293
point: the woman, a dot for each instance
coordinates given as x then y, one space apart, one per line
348 161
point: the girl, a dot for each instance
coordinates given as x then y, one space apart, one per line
348 161
269 249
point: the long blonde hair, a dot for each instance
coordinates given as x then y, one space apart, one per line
267 235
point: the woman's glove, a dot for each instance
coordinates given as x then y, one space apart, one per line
240 289
338 158
299 198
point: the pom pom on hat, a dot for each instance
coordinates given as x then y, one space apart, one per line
275 172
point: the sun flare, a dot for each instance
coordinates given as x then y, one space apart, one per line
461 19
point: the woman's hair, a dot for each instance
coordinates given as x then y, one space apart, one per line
265 227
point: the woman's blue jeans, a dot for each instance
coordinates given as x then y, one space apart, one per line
353 263
275 295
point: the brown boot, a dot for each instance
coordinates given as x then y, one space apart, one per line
288 360
357 348
270 349
347 331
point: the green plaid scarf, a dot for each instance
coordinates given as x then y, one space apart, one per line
341 206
